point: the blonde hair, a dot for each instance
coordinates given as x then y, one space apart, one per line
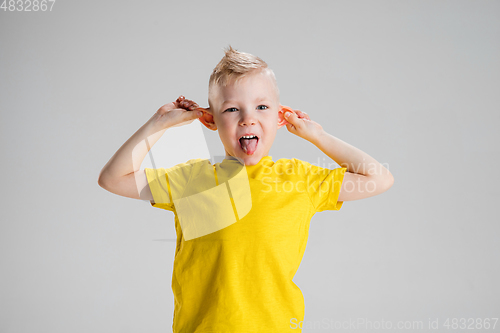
234 66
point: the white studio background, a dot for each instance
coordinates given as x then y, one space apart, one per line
412 83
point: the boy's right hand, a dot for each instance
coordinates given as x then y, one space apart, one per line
181 112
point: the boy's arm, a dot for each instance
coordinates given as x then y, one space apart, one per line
121 175
365 177
369 178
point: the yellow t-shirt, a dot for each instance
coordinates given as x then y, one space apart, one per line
247 230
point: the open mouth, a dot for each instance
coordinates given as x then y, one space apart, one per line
248 143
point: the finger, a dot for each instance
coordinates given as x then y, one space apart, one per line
193 105
186 103
203 110
189 104
290 127
302 114
298 118
195 113
178 102
290 117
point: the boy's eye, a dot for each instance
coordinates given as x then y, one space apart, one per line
266 107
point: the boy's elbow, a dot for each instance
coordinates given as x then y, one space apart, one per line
391 180
388 182
383 183
103 178
100 182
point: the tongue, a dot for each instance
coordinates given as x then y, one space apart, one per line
249 145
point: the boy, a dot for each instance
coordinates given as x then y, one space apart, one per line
242 224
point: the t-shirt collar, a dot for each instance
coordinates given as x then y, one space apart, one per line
229 160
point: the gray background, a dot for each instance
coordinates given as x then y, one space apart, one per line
412 83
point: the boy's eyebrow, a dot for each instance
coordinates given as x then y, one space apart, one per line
258 99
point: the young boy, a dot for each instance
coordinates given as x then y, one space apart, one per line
242 224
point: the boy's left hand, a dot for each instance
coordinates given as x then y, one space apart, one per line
300 124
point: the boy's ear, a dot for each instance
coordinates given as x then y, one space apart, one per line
207 119
281 118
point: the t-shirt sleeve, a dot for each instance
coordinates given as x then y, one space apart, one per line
167 184
322 185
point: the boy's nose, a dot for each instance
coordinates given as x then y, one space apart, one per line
248 118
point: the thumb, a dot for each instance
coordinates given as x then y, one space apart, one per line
290 117
195 113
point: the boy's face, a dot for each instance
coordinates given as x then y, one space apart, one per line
248 107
